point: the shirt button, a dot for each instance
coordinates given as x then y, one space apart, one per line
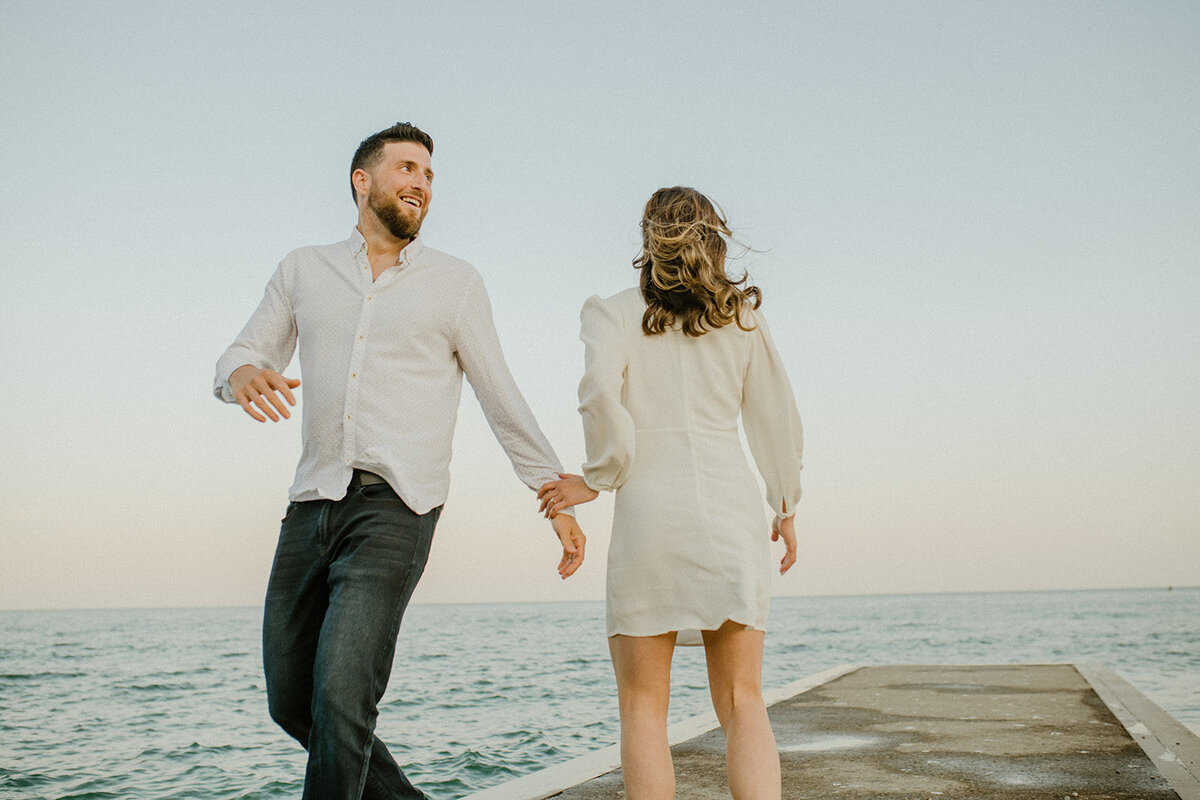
353 374
347 416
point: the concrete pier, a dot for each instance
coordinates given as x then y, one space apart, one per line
998 732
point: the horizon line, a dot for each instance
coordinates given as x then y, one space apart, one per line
1161 588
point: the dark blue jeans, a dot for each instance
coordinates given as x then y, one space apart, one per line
343 574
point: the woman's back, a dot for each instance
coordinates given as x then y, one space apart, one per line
678 381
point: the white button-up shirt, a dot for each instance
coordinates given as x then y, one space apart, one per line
382 364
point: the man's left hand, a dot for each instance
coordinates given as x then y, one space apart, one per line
573 542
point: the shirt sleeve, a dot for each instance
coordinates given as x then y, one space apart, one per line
608 429
512 422
772 422
268 340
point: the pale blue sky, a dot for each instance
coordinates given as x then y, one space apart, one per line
977 235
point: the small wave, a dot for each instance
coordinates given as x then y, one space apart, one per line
157 687
210 773
401 702
521 736
196 749
15 780
276 789
471 769
27 676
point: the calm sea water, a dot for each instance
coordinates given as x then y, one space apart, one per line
157 704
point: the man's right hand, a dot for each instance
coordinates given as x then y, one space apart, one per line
261 387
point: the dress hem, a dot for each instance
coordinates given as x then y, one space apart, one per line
691 636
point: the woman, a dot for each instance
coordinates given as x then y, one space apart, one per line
669 367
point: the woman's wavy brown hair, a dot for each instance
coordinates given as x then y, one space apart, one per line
683 266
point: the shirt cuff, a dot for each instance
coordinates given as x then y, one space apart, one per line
595 487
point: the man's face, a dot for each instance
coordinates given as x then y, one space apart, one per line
401 186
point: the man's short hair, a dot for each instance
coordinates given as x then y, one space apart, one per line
371 149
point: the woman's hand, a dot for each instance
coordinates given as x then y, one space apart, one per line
785 529
573 543
569 490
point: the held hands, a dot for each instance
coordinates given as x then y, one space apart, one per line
258 387
555 496
569 490
573 542
785 529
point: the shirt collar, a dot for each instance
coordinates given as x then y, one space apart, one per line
358 246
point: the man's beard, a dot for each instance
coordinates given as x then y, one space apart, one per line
387 209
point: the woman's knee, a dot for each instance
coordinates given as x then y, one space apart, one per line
644 705
731 697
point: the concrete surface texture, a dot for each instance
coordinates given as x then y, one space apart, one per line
934 733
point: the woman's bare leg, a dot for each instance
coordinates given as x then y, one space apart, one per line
734 657
643 668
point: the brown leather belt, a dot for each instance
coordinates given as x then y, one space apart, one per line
363 478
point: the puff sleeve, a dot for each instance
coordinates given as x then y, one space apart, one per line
607 425
772 422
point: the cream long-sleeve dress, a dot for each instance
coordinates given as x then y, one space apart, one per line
690 539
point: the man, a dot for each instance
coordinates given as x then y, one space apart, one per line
386 329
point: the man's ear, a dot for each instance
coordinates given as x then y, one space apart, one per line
362 182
